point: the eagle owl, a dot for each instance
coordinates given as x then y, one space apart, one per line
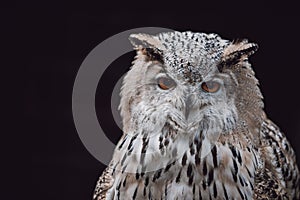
194 126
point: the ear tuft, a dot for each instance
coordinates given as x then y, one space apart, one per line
149 45
237 51
145 41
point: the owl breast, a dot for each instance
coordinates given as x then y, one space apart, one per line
225 170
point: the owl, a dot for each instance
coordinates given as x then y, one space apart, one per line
195 127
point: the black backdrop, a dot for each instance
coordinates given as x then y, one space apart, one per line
64 33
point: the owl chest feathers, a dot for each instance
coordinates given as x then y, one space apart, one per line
173 167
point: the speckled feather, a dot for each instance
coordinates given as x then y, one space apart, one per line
186 144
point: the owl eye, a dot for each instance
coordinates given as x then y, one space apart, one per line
210 86
165 83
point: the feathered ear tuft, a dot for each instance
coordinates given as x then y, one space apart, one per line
238 51
149 45
145 41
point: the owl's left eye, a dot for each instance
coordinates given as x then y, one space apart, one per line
210 86
165 83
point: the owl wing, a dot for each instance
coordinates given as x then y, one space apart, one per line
279 178
267 186
104 183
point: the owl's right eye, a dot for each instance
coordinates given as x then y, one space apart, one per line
210 86
165 83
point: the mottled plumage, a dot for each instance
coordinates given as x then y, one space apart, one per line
194 126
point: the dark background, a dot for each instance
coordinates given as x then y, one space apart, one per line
60 35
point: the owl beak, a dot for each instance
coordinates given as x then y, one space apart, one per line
188 106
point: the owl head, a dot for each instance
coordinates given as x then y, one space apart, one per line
190 81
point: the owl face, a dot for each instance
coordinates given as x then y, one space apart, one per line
188 82
183 104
